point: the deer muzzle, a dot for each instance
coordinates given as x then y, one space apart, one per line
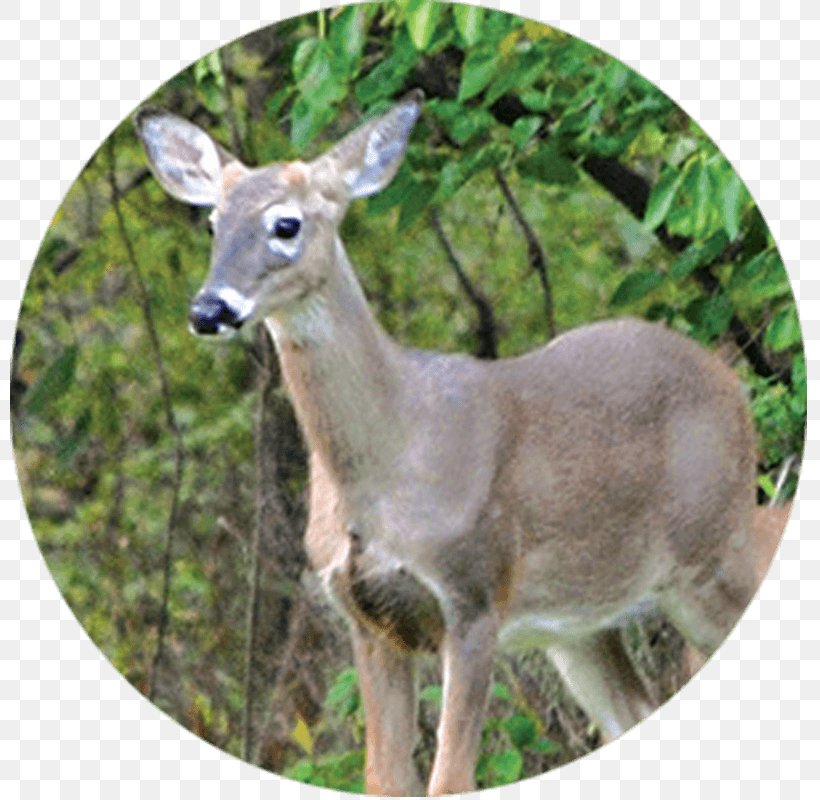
210 314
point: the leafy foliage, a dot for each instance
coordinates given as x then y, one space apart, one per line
636 213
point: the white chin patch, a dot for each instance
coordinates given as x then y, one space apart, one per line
241 306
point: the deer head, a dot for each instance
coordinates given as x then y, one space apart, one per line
275 227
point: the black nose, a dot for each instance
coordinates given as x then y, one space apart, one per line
208 312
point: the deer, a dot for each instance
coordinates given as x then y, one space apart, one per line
464 507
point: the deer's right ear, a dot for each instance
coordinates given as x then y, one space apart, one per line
184 159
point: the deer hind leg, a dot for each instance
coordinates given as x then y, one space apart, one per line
705 610
602 679
388 686
768 524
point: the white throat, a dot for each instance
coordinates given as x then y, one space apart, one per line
342 371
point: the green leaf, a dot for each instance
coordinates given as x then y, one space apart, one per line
799 384
342 698
490 155
393 194
607 146
525 68
520 729
307 120
387 77
636 285
468 22
504 767
302 736
660 311
537 101
767 485
661 198
702 198
750 270
501 691
303 57
450 179
762 277
432 693
616 77
348 34
316 74
416 199
210 81
698 254
524 129
460 122
710 316
422 18
732 198
70 445
784 330
277 101
321 86
54 382
547 165
680 149
301 771
546 746
579 122
684 216
477 71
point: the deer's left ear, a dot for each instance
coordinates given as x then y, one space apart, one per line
370 156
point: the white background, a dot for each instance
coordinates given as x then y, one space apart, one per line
747 727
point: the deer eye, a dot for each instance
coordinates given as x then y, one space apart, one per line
286 227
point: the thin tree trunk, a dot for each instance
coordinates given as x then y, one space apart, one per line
276 556
536 254
144 300
486 329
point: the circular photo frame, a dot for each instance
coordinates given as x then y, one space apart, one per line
488 317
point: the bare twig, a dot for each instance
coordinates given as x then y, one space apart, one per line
144 300
781 479
69 255
537 257
486 330
264 379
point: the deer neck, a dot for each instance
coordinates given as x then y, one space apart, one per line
343 373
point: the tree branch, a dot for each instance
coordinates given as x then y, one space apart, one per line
486 330
537 257
144 300
627 186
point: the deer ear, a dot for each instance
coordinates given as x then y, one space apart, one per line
370 156
184 159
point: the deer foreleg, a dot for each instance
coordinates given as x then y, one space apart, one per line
467 664
387 681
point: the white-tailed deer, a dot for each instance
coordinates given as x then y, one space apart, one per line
458 504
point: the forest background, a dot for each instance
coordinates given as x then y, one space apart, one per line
546 185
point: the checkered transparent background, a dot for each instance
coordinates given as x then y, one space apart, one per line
748 726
